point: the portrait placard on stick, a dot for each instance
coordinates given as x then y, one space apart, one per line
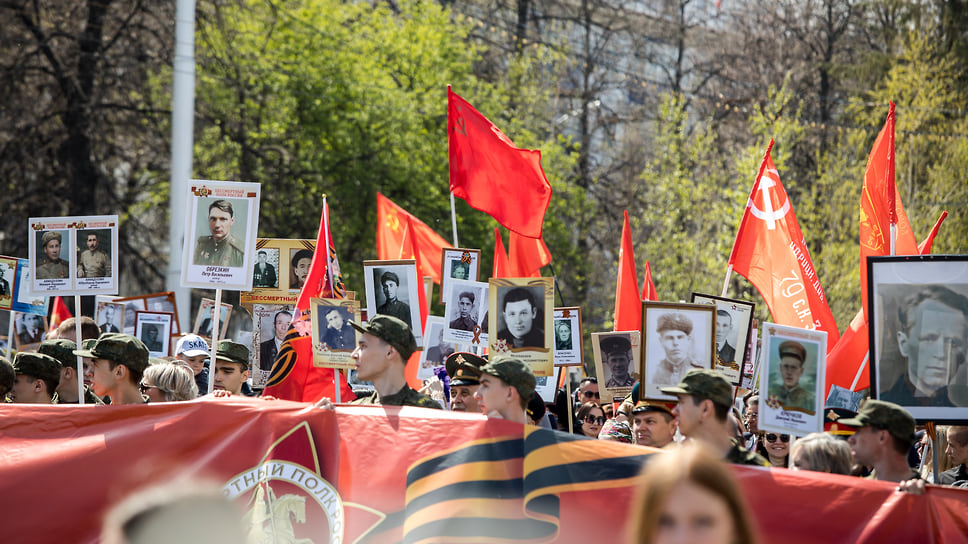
24 300
280 270
520 319
270 323
221 229
109 315
392 288
457 264
792 364
437 350
734 321
74 255
466 312
676 339
205 317
334 339
568 338
616 362
154 330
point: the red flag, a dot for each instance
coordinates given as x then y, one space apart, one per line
391 221
501 268
648 288
411 252
628 305
493 175
771 253
293 375
924 248
527 255
880 207
58 314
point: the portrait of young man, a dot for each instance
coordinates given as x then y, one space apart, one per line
389 284
338 334
220 247
519 313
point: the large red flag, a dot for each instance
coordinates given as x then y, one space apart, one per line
410 251
648 288
770 252
58 314
880 206
293 375
391 223
628 305
501 268
493 175
527 255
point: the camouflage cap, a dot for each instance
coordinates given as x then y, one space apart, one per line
61 349
37 365
885 416
88 344
232 352
789 348
616 344
464 368
674 321
391 330
704 384
120 348
514 372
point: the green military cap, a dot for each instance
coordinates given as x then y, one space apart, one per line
513 372
88 344
391 330
616 344
118 347
232 352
674 321
37 365
885 416
464 368
793 349
704 384
61 349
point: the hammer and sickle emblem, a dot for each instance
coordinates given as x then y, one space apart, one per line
769 215
461 124
393 221
466 257
477 335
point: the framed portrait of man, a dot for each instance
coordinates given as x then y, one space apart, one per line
437 350
24 300
109 315
265 271
74 255
8 281
222 222
30 330
457 264
392 288
154 330
792 379
466 312
280 270
734 322
617 362
521 313
568 338
270 324
205 319
918 315
676 339
334 339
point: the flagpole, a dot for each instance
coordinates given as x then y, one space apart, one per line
860 370
729 272
216 314
453 219
77 339
332 287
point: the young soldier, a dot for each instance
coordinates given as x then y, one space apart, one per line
507 385
381 356
36 378
884 436
118 363
231 366
63 350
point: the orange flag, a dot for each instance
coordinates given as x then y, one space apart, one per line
771 253
628 305
648 288
501 268
391 223
527 255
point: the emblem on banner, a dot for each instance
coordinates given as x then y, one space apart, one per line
768 214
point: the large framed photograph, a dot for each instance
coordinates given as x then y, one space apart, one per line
734 322
280 270
792 363
546 387
392 288
466 313
617 362
30 330
676 339
205 318
8 281
437 350
154 330
270 324
74 255
24 300
334 339
457 264
109 315
521 314
153 302
222 222
568 338
918 315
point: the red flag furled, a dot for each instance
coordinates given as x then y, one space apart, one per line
770 252
491 174
501 268
411 252
924 248
527 255
293 375
648 288
628 305
391 224
58 314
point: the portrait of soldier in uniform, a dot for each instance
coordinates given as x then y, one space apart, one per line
465 312
616 356
790 394
93 262
149 335
675 337
339 334
724 325
220 248
392 305
51 266
263 273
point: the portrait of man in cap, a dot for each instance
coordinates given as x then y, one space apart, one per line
389 282
50 265
674 330
616 360
791 363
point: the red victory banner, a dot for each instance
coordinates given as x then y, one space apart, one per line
628 305
770 252
392 243
376 474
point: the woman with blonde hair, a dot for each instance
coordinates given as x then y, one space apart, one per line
168 382
821 452
690 496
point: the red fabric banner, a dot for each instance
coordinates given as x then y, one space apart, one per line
770 252
648 288
501 267
324 279
628 305
526 256
411 251
58 314
375 474
391 224
491 174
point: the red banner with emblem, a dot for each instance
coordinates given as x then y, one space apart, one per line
368 474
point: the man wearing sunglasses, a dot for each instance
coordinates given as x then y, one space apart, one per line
705 398
883 439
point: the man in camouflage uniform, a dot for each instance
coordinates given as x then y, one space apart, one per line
221 248
705 398
381 356
93 261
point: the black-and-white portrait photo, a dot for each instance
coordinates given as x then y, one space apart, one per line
109 316
568 337
29 329
734 323
457 264
617 361
265 271
392 288
520 317
466 312
678 338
